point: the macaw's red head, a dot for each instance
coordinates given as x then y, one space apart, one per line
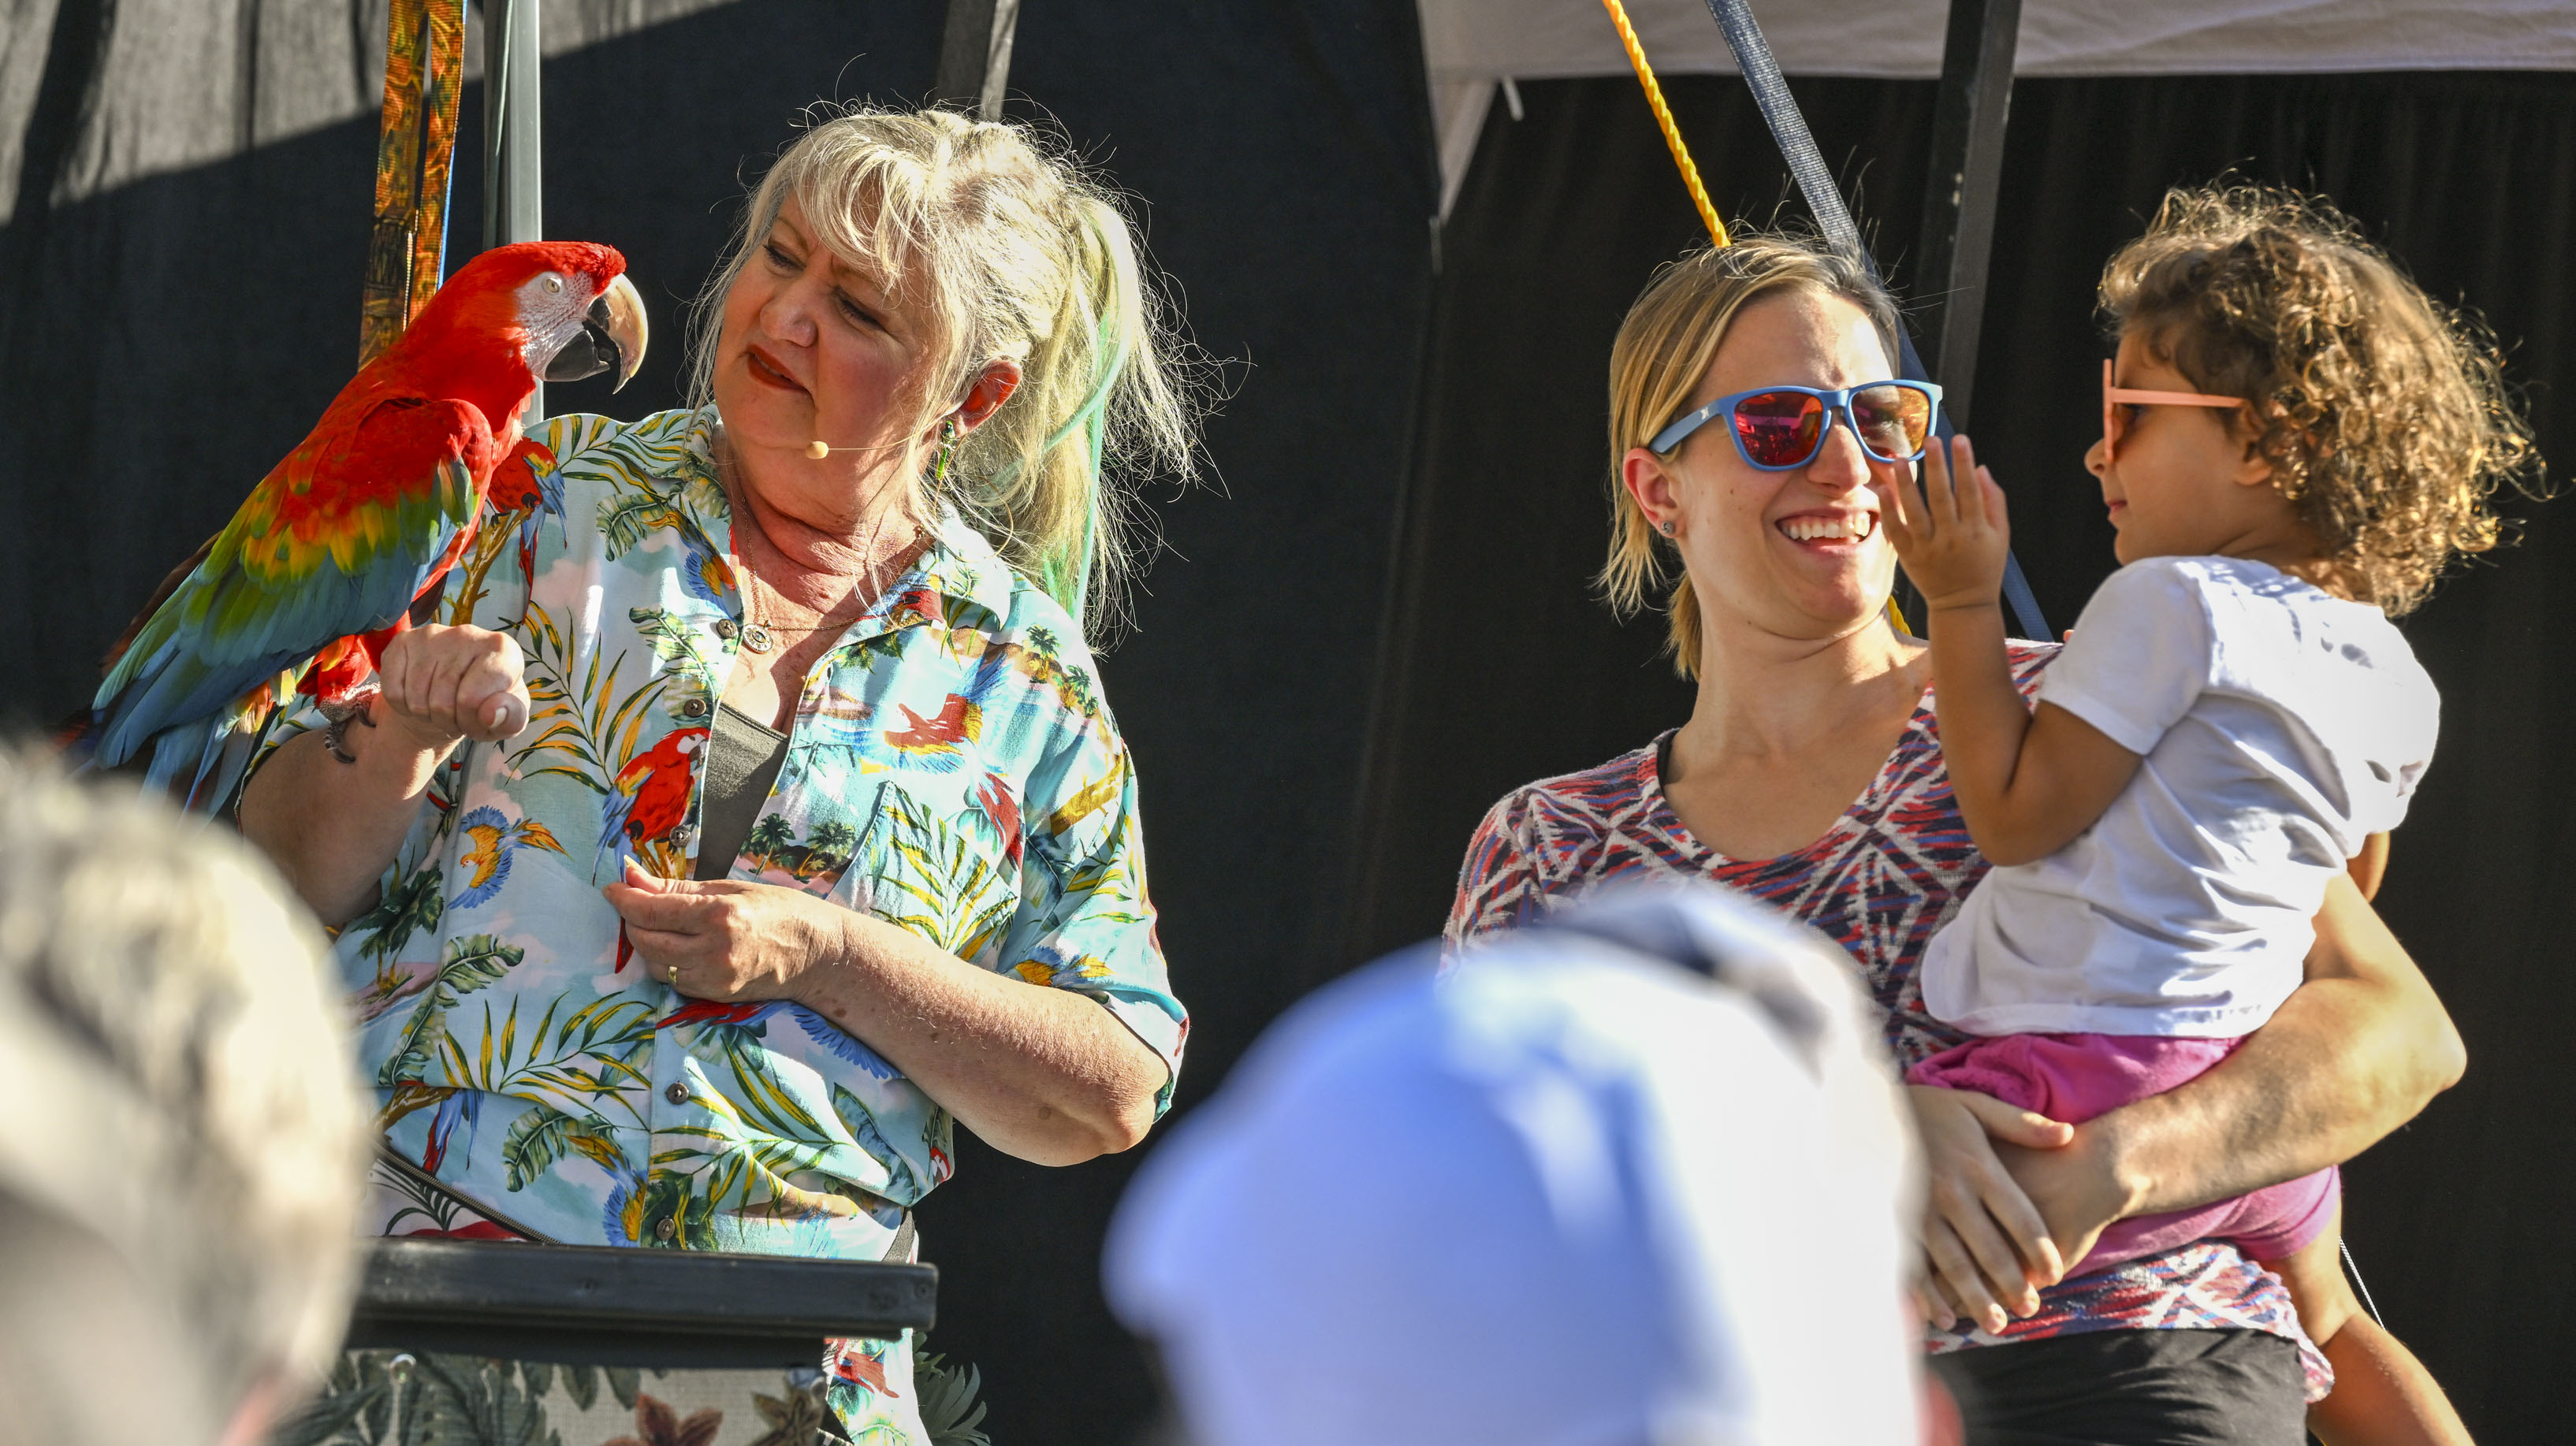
559 310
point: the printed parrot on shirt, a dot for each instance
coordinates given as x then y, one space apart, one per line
335 549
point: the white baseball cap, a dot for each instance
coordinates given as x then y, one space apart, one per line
1637 1177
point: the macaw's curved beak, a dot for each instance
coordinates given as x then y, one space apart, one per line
612 338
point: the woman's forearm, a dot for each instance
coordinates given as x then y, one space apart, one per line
331 827
1037 1072
2358 1050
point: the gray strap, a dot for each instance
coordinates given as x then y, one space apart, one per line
900 1253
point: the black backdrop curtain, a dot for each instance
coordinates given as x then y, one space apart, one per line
1500 666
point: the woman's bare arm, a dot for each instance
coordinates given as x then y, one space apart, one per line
1035 1071
2359 1049
331 827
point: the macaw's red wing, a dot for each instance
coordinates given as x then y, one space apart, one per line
363 517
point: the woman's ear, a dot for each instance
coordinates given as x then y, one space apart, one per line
991 389
1650 482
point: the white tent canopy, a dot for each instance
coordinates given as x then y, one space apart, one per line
1471 45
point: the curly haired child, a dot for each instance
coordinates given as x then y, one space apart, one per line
2296 441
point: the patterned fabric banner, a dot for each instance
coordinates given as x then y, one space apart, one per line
424 78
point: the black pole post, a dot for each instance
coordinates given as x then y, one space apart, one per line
1959 203
975 55
513 160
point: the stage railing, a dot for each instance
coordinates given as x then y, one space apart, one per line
647 1308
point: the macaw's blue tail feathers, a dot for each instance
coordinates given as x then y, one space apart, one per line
201 764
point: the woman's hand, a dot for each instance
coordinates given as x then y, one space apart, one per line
334 824
1986 1246
1039 1072
724 939
1952 539
444 685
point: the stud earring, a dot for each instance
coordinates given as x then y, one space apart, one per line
1665 527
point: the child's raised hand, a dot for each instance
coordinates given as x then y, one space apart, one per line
1952 538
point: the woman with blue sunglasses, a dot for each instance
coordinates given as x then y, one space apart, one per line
1752 403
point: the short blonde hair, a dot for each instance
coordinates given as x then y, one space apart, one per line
191 1126
1025 258
1663 350
2384 413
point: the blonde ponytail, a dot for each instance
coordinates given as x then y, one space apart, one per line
1024 259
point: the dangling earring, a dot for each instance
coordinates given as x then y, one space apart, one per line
947 449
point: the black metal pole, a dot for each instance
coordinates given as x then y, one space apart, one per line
975 55
1959 202
513 158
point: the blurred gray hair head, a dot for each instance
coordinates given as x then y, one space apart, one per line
180 1178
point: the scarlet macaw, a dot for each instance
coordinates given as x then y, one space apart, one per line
650 795
520 491
334 550
646 801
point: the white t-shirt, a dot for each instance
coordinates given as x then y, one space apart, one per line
2279 726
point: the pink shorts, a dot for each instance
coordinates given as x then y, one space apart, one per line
2073 1077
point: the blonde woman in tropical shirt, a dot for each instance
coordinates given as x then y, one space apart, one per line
754 812
1751 402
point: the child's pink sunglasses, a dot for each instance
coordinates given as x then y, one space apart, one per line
2113 398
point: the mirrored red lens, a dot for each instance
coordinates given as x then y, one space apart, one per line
1780 429
1894 422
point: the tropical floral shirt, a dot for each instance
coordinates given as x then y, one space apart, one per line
951 768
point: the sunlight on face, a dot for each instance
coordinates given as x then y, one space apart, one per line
2171 490
1796 553
814 348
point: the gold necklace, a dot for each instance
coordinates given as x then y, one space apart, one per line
758 638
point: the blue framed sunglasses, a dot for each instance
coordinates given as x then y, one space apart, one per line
1780 429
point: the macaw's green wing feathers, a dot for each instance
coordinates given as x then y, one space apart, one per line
337 541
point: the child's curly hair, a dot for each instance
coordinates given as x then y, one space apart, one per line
2384 413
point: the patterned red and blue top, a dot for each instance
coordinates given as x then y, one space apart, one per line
1888 873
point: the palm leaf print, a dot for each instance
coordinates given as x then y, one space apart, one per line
467 965
861 1122
543 1135
951 893
589 1056
586 730
412 906
677 650
770 839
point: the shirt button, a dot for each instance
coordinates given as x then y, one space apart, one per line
727 627
694 708
685 835
665 1228
677 1094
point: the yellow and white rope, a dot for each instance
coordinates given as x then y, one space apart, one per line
1664 118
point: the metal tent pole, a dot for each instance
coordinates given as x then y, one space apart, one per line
513 158
1967 174
975 55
